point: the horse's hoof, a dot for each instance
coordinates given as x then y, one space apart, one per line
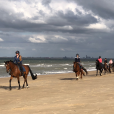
10 89
76 78
19 88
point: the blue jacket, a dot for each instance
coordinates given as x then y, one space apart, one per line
77 59
17 60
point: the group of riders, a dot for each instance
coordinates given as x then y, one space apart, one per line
18 61
77 60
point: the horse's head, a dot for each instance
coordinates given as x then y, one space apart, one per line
7 65
97 62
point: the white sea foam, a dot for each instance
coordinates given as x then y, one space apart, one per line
57 72
65 68
26 64
1 65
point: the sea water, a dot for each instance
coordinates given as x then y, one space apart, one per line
49 66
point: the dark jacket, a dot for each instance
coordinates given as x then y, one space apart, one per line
18 60
77 59
105 61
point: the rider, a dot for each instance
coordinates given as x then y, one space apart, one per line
105 61
18 60
110 62
77 60
100 61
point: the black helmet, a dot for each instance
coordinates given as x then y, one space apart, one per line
17 52
77 54
99 56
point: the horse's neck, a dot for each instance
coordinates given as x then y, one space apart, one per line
12 65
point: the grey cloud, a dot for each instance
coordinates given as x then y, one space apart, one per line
60 41
46 2
103 8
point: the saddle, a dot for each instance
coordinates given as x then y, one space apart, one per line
22 67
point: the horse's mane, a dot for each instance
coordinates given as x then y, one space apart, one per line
9 61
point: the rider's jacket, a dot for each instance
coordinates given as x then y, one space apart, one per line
100 60
18 60
77 59
110 62
105 61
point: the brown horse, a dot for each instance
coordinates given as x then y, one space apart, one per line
106 68
15 72
111 68
78 70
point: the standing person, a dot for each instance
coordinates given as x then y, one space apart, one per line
18 61
77 60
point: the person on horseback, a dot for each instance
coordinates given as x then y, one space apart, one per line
105 61
18 61
100 61
110 62
77 60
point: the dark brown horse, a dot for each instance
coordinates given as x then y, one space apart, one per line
106 68
78 71
111 67
15 72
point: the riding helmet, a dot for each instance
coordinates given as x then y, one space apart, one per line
77 54
17 52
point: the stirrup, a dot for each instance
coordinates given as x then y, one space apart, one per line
22 73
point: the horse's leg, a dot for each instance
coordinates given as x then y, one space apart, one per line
96 72
10 82
24 81
18 81
81 74
76 76
100 72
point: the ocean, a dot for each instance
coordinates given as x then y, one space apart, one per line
48 66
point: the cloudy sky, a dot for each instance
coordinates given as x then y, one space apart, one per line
57 28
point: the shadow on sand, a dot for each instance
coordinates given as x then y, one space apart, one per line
68 79
7 87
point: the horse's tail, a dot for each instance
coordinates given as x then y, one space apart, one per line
32 75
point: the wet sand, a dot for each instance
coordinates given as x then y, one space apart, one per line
59 94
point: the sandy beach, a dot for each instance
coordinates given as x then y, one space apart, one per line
59 94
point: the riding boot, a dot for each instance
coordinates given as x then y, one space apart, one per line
21 69
85 70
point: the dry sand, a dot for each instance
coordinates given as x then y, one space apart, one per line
59 94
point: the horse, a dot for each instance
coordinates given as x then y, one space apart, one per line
15 72
78 70
106 68
99 67
111 67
